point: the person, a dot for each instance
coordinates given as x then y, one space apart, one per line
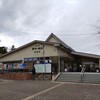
33 73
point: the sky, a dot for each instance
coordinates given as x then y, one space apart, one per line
76 22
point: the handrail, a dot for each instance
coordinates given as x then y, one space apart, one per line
56 76
82 73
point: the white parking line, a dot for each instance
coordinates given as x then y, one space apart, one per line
44 91
5 81
98 84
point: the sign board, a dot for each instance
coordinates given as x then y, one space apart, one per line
43 68
48 68
30 59
39 68
23 65
87 63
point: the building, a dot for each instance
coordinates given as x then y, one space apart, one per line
49 58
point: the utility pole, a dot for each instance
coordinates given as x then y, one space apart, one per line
44 61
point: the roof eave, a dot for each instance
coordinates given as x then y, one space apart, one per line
26 45
86 55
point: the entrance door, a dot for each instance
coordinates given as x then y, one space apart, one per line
87 68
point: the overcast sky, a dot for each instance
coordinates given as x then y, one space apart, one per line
76 22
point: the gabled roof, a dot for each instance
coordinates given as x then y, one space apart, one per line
86 54
28 44
60 41
53 43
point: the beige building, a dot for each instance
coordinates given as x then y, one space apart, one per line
53 53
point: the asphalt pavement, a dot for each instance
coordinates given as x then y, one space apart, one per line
47 90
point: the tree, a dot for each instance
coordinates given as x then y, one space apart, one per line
12 48
3 50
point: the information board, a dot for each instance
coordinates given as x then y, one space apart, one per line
43 68
48 68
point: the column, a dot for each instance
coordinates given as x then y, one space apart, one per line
58 63
99 63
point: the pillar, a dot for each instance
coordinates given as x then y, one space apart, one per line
99 63
58 63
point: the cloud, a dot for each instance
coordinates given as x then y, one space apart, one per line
26 20
8 42
8 15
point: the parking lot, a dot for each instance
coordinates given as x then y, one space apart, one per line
47 90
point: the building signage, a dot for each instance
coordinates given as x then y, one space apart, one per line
23 65
87 63
30 59
37 48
